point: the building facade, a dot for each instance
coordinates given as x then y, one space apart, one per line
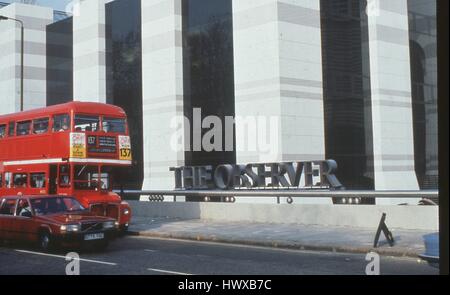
349 80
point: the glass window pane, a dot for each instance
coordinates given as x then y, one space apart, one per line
40 126
61 123
64 175
2 131
86 177
37 180
87 123
23 207
114 125
8 206
20 180
23 128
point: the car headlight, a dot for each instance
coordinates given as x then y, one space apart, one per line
126 211
70 228
108 224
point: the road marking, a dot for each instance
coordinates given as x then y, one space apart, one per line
169 272
148 250
64 257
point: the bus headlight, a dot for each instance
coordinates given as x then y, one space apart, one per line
108 224
70 228
126 211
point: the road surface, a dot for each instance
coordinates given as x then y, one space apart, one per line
150 256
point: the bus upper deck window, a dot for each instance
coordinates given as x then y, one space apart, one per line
40 126
116 125
61 123
23 128
87 123
2 131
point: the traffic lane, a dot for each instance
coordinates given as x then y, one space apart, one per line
148 256
214 258
28 261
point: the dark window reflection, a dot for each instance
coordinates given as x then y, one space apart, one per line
347 102
208 68
423 54
60 62
124 78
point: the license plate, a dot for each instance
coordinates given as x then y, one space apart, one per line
90 237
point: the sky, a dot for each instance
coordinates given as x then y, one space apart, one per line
55 4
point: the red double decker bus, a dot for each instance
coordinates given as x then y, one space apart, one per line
68 149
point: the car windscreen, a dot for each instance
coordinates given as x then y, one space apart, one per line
56 205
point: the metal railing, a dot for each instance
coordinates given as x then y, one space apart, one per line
292 193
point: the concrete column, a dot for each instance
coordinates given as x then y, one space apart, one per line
89 51
278 73
162 70
390 78
35 19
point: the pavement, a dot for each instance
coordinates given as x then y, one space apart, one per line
137 255
408 243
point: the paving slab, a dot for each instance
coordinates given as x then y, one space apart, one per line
292 236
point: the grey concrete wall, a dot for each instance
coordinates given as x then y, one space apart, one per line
35 20
364 216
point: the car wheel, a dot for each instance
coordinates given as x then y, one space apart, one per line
45 241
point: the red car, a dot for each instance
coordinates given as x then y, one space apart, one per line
52 221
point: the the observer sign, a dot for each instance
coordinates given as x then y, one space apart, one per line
305 174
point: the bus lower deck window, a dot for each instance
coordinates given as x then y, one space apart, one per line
20 180
64 175
37 180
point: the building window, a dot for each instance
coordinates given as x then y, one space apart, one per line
124 79
347 101
208 70
59 62
423 60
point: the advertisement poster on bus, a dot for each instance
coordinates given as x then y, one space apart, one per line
78 145
124 148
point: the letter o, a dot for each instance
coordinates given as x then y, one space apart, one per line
223 176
